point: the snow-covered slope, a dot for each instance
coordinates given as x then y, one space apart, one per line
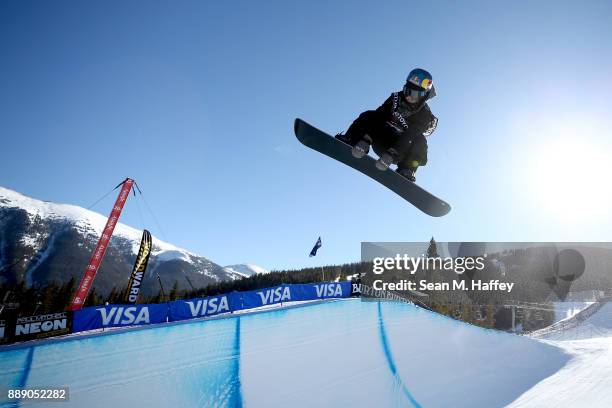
586 380
245 269
336 354
86 221
42 241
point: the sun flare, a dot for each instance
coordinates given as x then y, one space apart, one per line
570 178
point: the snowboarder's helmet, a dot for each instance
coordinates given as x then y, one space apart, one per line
418 83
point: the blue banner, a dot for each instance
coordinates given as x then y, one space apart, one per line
323 290
267 296
91 318
295 293
203 307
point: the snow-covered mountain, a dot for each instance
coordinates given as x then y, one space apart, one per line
245 269
41 242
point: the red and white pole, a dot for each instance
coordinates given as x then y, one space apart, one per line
98 254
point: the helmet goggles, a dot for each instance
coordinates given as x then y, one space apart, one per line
415 91
418 84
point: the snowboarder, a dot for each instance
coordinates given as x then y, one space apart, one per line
397 130
339 150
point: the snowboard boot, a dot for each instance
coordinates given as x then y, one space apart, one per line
407 173
362 147
386 159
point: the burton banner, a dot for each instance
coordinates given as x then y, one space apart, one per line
140 266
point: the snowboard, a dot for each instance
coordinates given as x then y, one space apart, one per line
330 146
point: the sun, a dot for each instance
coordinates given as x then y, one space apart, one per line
570 176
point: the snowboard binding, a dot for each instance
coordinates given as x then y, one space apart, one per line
407 174
362 147
386 159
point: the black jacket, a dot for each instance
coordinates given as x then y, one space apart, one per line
399 125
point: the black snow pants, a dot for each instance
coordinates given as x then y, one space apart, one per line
410 147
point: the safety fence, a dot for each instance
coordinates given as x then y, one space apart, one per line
107 316
573 321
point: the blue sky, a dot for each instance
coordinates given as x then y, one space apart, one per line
196 101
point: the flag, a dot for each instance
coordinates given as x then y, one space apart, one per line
315 247
140 268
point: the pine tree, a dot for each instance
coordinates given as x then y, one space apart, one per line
157 298
432 250
93 298
113 296
49 296
174 291
64 295
490 316
122 296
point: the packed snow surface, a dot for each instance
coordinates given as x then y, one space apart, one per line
586 381
339 353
